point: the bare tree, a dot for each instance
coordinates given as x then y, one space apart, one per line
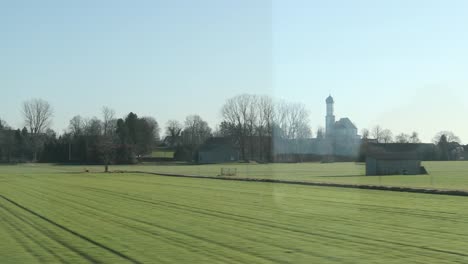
37 115
266 114
387 136
236 112
292 122
293 119
449 135
93 127
414 138
252 117
402 138
254 120
299 122
281 119
108 122
365 133
196 130
106 144
173 131
264 127
76 125
226 129
377 133
106 150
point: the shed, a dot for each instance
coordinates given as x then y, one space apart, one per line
391 163
218 150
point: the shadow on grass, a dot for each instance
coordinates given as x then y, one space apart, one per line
340 176
370 176
136 164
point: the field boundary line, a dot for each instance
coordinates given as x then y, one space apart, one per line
319 184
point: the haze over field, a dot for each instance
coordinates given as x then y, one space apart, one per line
399 64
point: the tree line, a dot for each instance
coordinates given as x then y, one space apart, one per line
87 140
445 144
251 122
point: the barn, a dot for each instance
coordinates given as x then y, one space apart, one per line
392 163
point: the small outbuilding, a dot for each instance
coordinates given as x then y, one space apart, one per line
218 150
394 163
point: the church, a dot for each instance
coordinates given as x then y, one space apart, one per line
342 135
340 139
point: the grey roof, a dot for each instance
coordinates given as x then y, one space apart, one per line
401 147
345 123
217 142
330 100
394 155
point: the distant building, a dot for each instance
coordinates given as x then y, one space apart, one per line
218 150
424 151
341 140
342 135
394 159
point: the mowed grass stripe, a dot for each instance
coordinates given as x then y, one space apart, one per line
243 227
41 241
57 227
20 239
424 213
202 215
258 222
263 224
87 220
170 230
258 228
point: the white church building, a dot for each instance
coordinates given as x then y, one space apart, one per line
342 134
340 139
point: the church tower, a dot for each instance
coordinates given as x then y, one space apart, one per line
330 118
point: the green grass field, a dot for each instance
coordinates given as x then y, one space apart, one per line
163 153
58 214
442 175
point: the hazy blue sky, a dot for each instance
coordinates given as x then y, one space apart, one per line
400 64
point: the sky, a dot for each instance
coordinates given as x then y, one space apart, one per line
402 65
